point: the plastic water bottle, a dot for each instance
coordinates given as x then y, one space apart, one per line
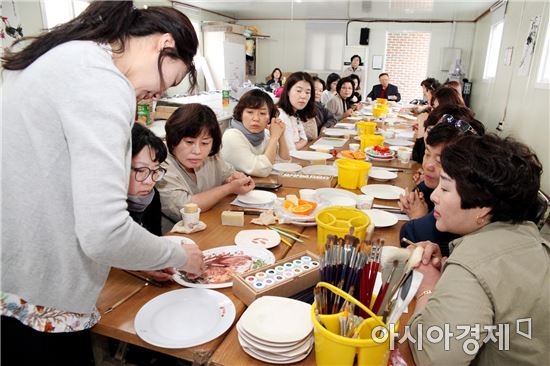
225 94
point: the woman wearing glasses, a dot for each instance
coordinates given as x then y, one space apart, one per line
452 125
195 172
69 102
490 299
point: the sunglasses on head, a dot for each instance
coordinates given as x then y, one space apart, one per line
461 125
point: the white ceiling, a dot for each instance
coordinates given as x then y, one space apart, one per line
419 10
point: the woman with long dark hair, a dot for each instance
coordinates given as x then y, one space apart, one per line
297 110
69 99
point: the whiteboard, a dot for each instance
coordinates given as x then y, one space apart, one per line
235 59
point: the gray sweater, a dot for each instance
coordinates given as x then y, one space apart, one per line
66 154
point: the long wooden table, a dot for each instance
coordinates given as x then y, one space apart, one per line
224 350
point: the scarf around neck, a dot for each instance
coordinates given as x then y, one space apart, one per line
139 203
255 138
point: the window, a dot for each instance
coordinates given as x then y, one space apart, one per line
55 12
493 49
543 76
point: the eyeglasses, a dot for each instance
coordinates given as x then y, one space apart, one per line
461 125
141 174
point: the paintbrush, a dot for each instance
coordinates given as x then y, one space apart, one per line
384 289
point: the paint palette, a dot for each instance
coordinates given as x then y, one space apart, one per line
285 277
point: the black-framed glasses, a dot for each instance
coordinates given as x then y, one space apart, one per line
141 174
461 125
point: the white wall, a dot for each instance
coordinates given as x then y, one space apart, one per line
527 107
284 49
459 35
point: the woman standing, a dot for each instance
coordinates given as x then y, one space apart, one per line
194 170
69 102
297 110
249 144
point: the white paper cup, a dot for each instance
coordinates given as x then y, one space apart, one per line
307 194
364 201
404 154
190 220
354 147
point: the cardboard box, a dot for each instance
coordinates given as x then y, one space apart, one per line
288 287
300 180
164 112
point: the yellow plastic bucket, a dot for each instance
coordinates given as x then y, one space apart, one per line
366 128
352 174
381 100
336 220
371 140
333 349
378 111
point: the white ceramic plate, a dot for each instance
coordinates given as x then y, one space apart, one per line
382 175
381 218
289 352
332 194
277 319
261 238
398 142
383 191
257 197
408 116
339 132
184 318
287 167
345 125
372 153
320 147
331 141
310 155
254 354
321 170
237 259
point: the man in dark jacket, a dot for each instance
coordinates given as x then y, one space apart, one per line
385 89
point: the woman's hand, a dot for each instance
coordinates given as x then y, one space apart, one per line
277 128
358 106
195 262
348 113
432 254
413 204
161 275
241 185
418 176
234 176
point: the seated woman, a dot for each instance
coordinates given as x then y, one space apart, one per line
276 79
297 110
356 97
194 171
332 81
323 117
148 152
429 86
417 204
493 291
340 105
447 96
247 144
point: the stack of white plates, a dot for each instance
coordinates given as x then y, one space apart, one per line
256 199
276 330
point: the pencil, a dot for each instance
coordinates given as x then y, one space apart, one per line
286 242
121 301
286 234
407 241
294 232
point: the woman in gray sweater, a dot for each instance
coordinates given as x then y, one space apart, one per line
69 102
